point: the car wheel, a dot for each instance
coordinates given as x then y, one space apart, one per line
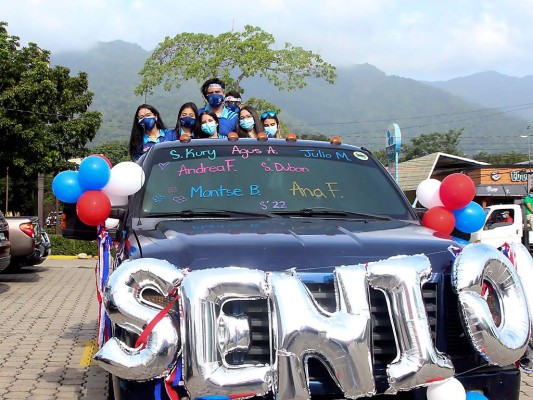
110 391
13 267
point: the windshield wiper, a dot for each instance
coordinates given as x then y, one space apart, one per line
209 212
318 211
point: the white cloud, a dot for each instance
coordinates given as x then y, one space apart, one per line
422 40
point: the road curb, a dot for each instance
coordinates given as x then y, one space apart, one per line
60 257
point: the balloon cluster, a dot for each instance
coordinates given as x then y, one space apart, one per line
97 186
451 389
450 204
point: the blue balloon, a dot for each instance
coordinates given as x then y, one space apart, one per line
66 186
471 218
475 396
94 173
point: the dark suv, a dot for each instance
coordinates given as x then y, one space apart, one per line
5 244
295 269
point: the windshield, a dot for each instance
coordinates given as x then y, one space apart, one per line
261 178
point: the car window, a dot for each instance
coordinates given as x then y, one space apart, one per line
267 179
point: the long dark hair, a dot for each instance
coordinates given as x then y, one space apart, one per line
271 115
243 133
137 131
196 128
202 134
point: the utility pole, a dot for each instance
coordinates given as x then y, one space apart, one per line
528 159
7 189
40 198
529 163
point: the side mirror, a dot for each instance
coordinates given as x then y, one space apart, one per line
420 211
116 233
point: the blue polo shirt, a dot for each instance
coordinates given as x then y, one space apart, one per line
227 121
165 135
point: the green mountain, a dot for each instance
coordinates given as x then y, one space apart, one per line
358 107
493 89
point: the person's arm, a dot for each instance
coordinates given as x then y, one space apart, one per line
529 207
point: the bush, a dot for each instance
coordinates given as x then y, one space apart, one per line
71 247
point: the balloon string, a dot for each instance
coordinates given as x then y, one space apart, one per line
143 338
470 370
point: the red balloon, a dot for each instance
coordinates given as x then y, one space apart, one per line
93 207
439 219
105 158
456 191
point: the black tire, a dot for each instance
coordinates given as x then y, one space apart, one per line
110 391
13 267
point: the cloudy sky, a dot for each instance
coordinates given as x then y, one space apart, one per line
423 40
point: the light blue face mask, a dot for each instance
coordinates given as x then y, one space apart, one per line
271 131
530 195
247 123
210 128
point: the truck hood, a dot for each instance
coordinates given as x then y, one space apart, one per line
307 244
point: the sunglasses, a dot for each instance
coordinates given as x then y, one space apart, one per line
267 114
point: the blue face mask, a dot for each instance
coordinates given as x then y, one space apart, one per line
147 123
271 131
215 100
210 128
531 195
234 107
187 122
247 124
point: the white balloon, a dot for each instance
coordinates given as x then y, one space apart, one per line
427 193
126 178
116 200
447 390
111 223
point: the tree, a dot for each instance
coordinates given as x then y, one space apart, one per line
320 137
244 54
381 155
116 151
431 143
512 157
43 116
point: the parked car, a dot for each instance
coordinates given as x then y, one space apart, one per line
30 245
5 244
51 220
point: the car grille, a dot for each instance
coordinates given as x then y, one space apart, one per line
383 343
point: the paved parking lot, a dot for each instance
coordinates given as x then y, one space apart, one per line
47 332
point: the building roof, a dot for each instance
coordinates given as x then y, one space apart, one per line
412 172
